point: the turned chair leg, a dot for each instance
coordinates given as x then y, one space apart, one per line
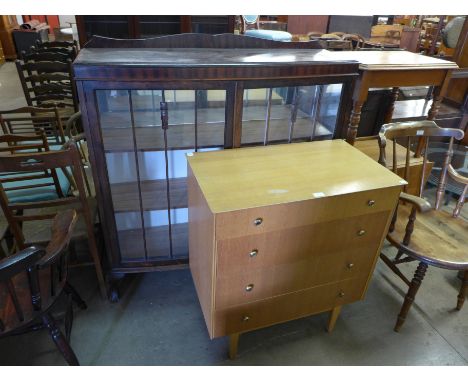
74 295
409 298
60 340
463 291
233 344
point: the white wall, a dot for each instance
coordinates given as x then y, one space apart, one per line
65 19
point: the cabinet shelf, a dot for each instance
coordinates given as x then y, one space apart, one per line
157 243
126 198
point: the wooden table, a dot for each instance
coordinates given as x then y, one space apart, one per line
382 69
294 230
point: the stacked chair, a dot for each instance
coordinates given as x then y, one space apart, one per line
44 157
46 76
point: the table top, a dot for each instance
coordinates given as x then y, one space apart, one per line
259 176
390 60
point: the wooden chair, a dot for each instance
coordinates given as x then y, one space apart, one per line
48 83
33 280
251 27
419 232
357 41
20 211
34 120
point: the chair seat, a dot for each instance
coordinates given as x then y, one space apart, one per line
438 238
269 34
36 194
38 232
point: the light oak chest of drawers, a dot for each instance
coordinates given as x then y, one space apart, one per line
286 231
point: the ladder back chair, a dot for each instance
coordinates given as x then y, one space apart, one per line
418 231
70 47
20 212
33 280
48 83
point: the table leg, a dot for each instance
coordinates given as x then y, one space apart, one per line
436 100
391 107
354 122
333 317
233 343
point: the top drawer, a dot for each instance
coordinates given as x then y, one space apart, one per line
283 216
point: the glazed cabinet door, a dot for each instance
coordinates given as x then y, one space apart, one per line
146 165
289 114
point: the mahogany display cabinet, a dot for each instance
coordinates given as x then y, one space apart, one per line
148 103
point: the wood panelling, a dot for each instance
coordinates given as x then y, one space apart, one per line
303 24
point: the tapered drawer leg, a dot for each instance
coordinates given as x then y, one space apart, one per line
334 313
233 343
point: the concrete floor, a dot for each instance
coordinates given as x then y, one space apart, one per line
159 321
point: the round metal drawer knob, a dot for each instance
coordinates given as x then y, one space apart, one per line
249 287
245 318
370 203
361 232
341 294
253 253
350 265
258 221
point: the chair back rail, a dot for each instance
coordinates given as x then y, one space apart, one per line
45 55
418 133
34 143
50 161
33 120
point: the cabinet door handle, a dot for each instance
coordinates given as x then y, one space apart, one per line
361 232
350 265
253 252
245 318
258 221
249 287
370 203
341 294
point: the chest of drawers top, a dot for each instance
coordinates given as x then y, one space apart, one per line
245 178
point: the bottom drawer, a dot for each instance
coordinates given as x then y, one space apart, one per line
287 307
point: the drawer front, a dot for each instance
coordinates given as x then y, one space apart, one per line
279 262
284 216
287 307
